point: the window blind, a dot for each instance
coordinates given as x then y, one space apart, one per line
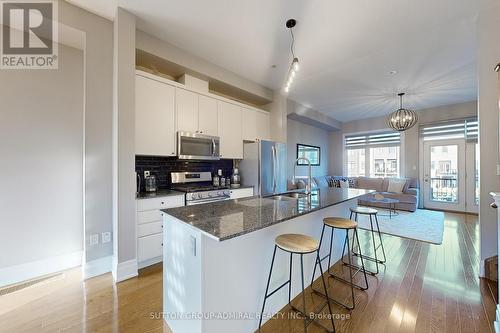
455 129
357 141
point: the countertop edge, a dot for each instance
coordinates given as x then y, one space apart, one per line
220 239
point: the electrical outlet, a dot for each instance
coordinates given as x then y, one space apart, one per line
94 239
106 237
146 174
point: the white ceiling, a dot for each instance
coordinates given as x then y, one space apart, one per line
345 48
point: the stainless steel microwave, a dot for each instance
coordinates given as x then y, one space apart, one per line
196 146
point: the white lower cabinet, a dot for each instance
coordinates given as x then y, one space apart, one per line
148 248
150 228
241 193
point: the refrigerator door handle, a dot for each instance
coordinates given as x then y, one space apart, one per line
274 167
277 169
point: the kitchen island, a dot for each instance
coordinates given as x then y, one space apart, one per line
217 256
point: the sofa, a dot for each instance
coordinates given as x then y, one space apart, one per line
408 197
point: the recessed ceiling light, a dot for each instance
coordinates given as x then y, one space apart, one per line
393 72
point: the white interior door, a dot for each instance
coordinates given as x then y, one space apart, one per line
444 175
472 177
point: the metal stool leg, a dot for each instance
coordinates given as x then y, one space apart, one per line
328 255
375 247
326 290
267 287
307 318
290 279
362 261
380 239
303 293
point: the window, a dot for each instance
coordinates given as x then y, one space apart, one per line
355 162
384 162
312 153
374 155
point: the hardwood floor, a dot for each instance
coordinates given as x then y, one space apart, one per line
422 288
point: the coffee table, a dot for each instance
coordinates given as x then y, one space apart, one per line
391 205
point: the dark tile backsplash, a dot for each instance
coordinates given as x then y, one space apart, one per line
161 167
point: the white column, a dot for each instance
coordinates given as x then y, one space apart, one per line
124 242
487 57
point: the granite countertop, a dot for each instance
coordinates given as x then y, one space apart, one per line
157 194
227 219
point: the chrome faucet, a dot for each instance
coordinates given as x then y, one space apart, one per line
308 185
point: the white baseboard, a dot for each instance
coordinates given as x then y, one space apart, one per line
482 272
149 262
124 270
31 270
97 267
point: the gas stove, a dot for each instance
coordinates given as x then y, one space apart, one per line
198 187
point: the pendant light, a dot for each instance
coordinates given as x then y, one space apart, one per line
294 66
402 119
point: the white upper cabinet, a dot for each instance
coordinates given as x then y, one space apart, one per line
207 115
196 113
263 125
249 124
230 131
187 110
255 125
154 117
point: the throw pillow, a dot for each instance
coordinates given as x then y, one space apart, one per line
352 182
336 181
396 185
343 183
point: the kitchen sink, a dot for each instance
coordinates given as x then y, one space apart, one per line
289 196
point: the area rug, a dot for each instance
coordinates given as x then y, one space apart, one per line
423 225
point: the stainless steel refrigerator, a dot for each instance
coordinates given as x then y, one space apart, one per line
264 167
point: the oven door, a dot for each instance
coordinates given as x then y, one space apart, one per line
195 146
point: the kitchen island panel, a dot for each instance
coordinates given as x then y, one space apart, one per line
233 273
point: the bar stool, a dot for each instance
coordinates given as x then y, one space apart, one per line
370 212
297 244
347 225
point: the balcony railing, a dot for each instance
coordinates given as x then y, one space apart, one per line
444 189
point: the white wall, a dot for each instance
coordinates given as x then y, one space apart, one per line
98 59
41 164
298 132
165 50
487 57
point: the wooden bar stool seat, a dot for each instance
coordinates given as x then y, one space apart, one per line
363 210
340 223
297 243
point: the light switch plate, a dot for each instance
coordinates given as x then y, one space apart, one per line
106 237
94 239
